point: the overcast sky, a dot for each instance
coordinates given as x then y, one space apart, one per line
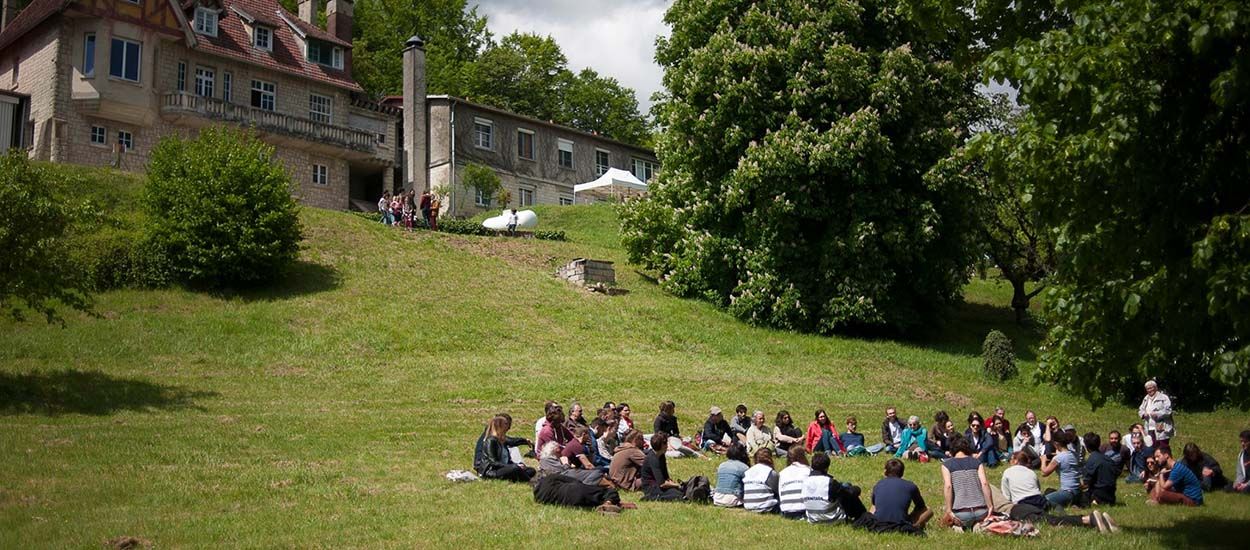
614 37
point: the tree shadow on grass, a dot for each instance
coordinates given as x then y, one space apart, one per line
1200 532
965 329
88 392
304 278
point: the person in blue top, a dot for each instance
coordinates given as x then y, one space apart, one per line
912 443
1065 463
1176 484
729 476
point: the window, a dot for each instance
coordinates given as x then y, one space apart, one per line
645 169
124 59
566 153
136 2
262 38
483 134
204 79
601 162
320 108
88 54
182 76
206 21
98 134
325 54
227 86
321 174
566 201
126 140
262 95
527 197
382 139
525 144
480 198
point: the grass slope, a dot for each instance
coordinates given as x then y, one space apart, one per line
324 412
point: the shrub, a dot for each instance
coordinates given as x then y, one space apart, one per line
33 245
482 179
550 235
463 227
1000 358
121 261
220 209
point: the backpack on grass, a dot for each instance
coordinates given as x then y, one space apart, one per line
697 489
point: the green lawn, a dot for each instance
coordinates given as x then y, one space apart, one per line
326 411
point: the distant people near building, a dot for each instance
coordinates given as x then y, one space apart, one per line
1156 413
425 205
512 223
384 208
435 205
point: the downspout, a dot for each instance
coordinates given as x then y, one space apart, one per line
451 146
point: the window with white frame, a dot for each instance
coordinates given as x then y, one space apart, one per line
602 162
126 140
645 169
205 78
566 153
480 198
320 108
98 135
566 201
227 86
323 53
124 58
526 197
525 144
182 76
321 174
262 38
206 21
483 133
263 95
88 54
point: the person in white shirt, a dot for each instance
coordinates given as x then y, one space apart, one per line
1020 483
759 435
512 222
790 483
1156 412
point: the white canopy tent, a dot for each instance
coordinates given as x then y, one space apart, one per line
615 183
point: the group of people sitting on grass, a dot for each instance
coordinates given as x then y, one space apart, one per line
587 462
407 210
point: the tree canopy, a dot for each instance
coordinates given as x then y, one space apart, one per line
797 137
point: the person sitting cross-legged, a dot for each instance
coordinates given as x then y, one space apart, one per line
656 483
1175 483
790 483
716 432
786 433
761 484
1064 462
897 506
966 491
827 500
1099 474
759 435
913 441
625 470
729 476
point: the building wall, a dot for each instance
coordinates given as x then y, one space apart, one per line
30 67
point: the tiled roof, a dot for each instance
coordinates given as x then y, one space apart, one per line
35 13
233 41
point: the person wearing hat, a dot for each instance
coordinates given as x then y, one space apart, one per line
715 431
1156 413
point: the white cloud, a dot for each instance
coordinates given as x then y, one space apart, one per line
615 38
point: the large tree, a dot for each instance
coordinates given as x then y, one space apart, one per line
454 35
1135 142
601 104
524 73
797 137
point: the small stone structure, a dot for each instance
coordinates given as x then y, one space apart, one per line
585 272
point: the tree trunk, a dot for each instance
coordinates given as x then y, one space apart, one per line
1019 300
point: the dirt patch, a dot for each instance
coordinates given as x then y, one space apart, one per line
511 251
127 543
283 370
959 401
921 394
281 484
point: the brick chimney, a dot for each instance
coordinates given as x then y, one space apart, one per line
308 11
339 19
416 151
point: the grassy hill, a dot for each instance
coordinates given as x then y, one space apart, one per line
324 412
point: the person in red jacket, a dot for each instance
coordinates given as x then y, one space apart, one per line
822 435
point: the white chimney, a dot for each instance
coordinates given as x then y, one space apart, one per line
415 139
308 11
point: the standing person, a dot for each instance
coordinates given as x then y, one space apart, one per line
716 432
1156 412
406 209
982 444
729 474
384 208
913 442
760 485
966 491
425 203
740 423
1205 467
435 205
626 469
1099 474
827 500
897 502
1063 462
512 223
1175 484
822 435
1241 483
759 435
1139 455
790 483
496 462
786 433
656 483
891 431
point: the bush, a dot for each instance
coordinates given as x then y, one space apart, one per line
220 209
550 235
122 261
463 227
1000 358
482 179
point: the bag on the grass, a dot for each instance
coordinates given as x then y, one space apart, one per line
1002 525
461 475
697 489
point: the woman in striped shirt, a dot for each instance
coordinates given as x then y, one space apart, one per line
965 488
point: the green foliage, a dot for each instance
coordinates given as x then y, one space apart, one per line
454 36
120 260
481 178
504 197
999 357
1135 145
524 73
595 103
463 227
544 235
34 224
220 209
792 190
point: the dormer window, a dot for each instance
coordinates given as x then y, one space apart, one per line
262 38
205 21
323 53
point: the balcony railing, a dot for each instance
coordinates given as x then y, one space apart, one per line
269 121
